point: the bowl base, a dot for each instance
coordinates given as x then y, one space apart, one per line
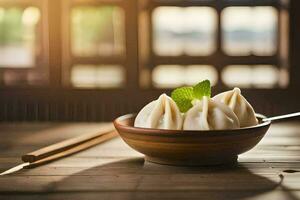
232 160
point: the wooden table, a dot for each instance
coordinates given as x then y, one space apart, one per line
113 171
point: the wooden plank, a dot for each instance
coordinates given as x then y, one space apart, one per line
118 149
108 166
134 175
149 182
23 138
193 195
113 148
71 164
19 132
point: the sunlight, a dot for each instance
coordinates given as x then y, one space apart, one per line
91 76
189 30
165 76
31 16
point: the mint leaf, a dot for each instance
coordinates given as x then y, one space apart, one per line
183 97
202 89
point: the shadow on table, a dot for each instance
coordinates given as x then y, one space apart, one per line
134 179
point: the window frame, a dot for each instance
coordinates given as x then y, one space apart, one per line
219 59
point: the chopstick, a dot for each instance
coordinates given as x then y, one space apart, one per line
68 147
73 150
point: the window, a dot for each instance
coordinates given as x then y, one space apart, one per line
178 31
219 34
90 54
249 30
22 45
97 31
96 53
173 38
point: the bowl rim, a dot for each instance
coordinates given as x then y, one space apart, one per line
167 132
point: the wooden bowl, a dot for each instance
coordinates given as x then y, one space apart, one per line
190 148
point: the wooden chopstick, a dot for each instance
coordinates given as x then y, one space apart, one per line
68 147
80 147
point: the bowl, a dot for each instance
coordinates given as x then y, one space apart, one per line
190 148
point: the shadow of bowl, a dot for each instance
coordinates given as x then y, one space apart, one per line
134 179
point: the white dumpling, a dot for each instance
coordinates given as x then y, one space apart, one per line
240 106
162 113
210 115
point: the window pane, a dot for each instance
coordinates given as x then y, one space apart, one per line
259 76
249 30
18 37
265 76
169 76
196 73
239 75
20 77
91 76
265 31
97 31
178 31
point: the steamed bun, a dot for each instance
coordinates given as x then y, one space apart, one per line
162 113
239 105
208 114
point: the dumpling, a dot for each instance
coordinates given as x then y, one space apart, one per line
162 113
240 106
210 115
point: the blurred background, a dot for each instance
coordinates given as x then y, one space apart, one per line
92 60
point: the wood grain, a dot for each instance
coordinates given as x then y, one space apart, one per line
80 146
64 147
112 170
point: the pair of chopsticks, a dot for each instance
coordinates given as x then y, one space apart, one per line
64 148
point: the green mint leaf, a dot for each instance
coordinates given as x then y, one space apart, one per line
202 89
183 97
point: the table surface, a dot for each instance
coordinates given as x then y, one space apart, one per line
112 170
